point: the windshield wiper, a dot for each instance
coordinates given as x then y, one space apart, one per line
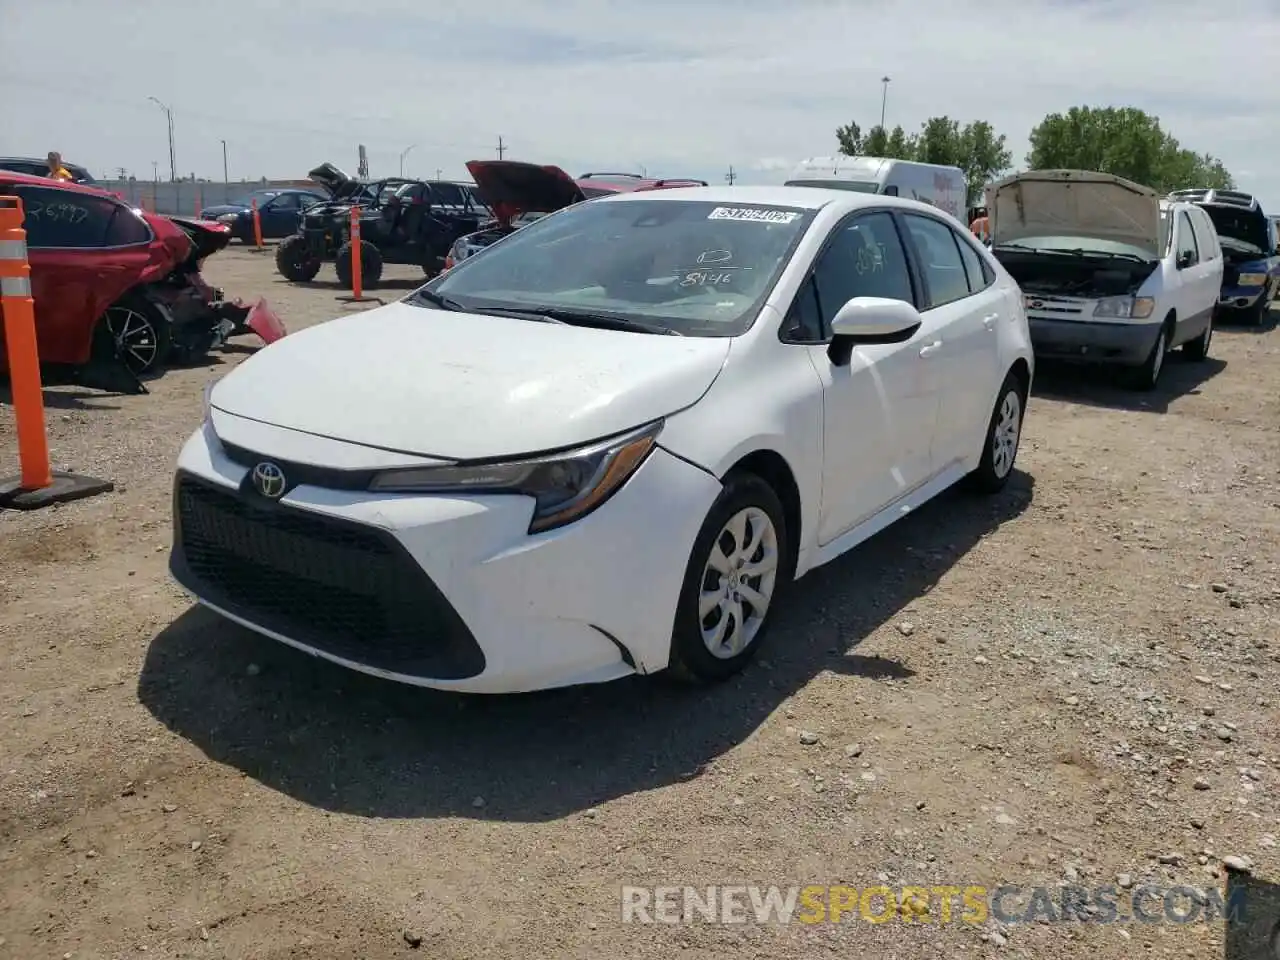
606 321
444 303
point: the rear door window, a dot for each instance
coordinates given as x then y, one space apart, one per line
940 261
61 219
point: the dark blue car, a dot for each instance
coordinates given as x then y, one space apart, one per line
1250 248
278 212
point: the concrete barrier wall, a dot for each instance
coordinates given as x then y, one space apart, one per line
185 198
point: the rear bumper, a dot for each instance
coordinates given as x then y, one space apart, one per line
1127 344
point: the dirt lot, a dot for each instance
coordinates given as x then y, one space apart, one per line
1076 682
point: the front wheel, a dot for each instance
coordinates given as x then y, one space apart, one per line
1147 376
740 562
295 261
1198 349
1004 434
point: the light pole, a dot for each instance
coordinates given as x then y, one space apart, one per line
884 99
404 153
173 165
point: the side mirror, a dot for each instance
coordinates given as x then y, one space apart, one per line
1186 259
870 320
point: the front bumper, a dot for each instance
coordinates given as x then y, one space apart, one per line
1127 344
1241 298
443 592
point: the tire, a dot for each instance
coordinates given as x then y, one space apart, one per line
1255 314
295 262
370 264
1004 434
137 333
1198 349
748 505
1147 376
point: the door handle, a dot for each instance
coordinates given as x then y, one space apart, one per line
930 349
989 321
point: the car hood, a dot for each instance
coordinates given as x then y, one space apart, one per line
338 182
525 187
1074 203
223 208
460 386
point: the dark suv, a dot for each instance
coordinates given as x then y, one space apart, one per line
402 221
40 168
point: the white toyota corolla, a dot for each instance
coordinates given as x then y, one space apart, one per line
607 443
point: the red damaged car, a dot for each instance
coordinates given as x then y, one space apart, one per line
118 291
519 193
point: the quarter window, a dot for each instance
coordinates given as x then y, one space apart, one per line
944 270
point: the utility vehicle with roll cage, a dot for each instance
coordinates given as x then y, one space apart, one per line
402 221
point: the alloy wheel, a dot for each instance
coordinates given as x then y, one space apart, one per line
1007 432
738 583
135 336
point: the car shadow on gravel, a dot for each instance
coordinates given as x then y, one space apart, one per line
345 742
1103 386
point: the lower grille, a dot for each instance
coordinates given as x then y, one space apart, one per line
344 588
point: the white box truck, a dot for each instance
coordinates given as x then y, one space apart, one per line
943 187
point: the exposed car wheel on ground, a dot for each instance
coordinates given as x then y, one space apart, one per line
1004 434
136 332
1147 376
740 562
370 264
295 262
1198 349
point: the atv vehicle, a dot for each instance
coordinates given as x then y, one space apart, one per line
401 222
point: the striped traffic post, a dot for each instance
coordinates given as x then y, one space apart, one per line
36 484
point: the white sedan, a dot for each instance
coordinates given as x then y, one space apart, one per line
608 443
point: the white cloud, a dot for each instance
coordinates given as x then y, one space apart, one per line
683 88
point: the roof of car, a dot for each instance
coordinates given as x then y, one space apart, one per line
805 198
25 179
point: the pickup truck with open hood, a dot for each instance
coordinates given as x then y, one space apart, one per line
1110 273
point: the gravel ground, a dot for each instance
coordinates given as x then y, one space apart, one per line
1073 683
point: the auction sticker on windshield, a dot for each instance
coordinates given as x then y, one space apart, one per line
752 214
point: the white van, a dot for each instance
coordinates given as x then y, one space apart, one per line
1109 272
942 187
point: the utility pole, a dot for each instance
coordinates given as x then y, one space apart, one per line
124 174
173 164
438 172
884 99
226 177
730 176
404 153
502 147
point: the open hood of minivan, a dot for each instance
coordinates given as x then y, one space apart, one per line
525 187
1074 203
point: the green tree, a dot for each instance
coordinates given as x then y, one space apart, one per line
1124 141
974 148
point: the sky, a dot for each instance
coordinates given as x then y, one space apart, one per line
664 87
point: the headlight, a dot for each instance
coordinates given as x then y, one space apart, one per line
565 486
1251 279
228 218
459 250
1125 308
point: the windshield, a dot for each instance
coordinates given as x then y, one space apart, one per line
262 196
1090 246
1246 226
691 267
856 186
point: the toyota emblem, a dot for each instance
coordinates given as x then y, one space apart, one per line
268 480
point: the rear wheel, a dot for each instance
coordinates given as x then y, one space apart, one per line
740 562
1004 434
295 261
1255 314
137 333
370 264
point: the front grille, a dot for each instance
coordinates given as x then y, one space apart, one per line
341 587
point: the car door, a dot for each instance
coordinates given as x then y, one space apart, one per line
279 216
83 257
963 311
1189 299
1209 270
879 410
